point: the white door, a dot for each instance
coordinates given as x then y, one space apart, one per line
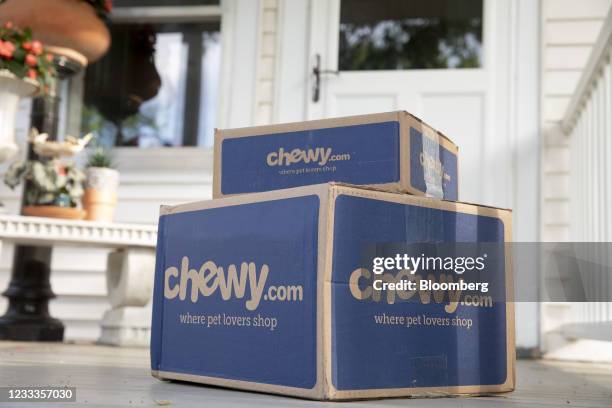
399 38
491 111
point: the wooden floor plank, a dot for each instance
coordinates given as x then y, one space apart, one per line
119 377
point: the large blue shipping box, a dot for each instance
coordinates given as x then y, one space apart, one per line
268 292
394 150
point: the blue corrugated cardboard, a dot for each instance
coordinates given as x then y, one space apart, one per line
267 292
393 150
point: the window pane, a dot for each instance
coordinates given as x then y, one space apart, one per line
157 86
410 34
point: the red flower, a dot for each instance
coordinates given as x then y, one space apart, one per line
49 57
6 49
32 74
37 48
108 6
60 169
8 24
31 60
27 46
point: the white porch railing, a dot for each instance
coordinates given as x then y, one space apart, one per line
588 124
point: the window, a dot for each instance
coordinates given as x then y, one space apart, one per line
410 34
158 84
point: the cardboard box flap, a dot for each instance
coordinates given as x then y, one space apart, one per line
398 193
308 125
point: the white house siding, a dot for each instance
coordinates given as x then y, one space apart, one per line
569 30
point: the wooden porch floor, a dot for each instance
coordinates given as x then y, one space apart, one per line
119 377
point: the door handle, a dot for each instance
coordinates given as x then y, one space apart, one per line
317 72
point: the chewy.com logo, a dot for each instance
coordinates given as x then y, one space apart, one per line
210 278
318 155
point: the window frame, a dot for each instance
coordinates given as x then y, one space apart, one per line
328 11
166 14
132 158
337 29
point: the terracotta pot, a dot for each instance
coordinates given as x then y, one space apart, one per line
62 24
100 198
52 211
12 89
100 205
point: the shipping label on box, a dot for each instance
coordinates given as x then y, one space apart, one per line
394 150
274 292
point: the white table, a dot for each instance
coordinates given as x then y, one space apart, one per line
129 272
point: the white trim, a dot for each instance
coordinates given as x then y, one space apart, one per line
225 84
329 13
522 92
278 59
163 14
239 45
182 159
53 231
258 37
292 62
262 98
599 57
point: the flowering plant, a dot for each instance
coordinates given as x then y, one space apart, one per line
24 57
52 182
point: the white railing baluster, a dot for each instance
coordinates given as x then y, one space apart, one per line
608 171
601 168
588 124
589 199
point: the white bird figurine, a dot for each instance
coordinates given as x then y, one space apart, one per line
69 147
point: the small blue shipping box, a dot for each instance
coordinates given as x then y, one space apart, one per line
269 292
395 150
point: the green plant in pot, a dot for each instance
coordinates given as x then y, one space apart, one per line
101 184
53 187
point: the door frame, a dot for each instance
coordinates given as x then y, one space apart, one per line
513 80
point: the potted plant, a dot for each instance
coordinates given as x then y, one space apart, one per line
67 26
53 188
25 66
101 184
